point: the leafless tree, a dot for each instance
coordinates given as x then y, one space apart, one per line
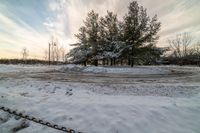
52 49
52 44
186 41
24 54
56 52
197 48
62 53
180 45
196 51
46 54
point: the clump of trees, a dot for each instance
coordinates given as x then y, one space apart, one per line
28 61
55 53
57 56
180 45
184 51
107 40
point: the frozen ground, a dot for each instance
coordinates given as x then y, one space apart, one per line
154 99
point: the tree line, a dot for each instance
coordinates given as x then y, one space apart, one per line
107 40
27 61
183 50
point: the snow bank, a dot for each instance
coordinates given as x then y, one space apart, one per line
116 70
95 69
136 70
27 68
71 67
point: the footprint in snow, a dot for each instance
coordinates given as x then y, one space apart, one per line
54 89
69 92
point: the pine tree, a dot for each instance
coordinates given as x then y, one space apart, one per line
88 36
82 50
110 37
92 34
139 30
107 38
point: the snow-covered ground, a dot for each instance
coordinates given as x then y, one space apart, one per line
149 99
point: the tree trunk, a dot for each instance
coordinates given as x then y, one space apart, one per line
114 61
121 62
85 63
129 61
95 62
132 62
132 57
103 62
111 62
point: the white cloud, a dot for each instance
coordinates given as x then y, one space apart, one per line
176 16
14 37
66 16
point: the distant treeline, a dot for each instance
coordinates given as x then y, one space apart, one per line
180 61
28 61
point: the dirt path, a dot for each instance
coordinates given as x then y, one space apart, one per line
174 76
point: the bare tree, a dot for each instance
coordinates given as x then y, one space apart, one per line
180 45
52 47
24 54
62 53
55 52
197 51
46 55
197 48
186 41
52 51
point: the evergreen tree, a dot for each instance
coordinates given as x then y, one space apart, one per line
109 37
92 34
81 52
88 37
139 30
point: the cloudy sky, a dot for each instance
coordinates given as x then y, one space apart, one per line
31 23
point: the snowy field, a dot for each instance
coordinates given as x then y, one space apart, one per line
149 99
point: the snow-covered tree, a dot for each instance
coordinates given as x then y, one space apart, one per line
109 37
79 54
92 31
139 29
88 37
